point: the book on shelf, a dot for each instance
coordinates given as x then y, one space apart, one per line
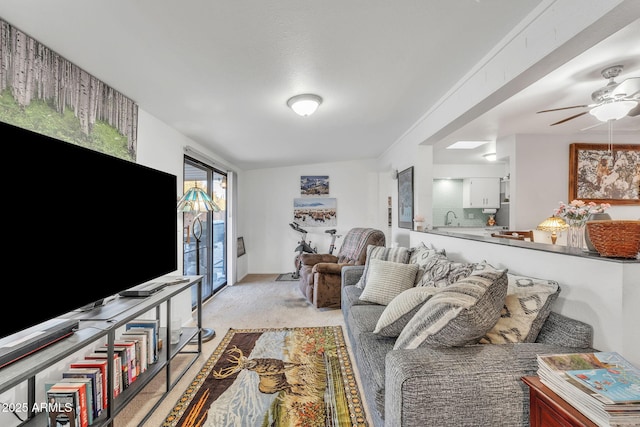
117 369
132 363
94 376
67 404
62 407
142 339
154 324
92 405
553 370
102 365
148 332
123 364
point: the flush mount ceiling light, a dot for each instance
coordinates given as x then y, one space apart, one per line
613 110
491 157
305 104
466 145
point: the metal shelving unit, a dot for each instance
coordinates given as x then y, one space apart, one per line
103 323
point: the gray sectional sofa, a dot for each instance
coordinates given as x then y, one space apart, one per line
469 385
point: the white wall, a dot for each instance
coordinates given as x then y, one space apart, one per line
267 209
540 178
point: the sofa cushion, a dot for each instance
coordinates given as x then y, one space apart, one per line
363 318
401 309
371 352
527 306
441 271
387 279
458 314
423 256
399 254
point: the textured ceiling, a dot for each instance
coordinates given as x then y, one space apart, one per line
221 72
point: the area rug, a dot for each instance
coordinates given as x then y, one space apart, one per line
274 377
287 277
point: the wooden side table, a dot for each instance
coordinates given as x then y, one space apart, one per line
547 409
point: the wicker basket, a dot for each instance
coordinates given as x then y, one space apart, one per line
615 238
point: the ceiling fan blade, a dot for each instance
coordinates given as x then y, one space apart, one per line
635 111
629 88
563 108
569 118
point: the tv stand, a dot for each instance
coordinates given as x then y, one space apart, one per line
93 329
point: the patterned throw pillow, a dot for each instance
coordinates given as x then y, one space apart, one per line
401 309
400 255
458 314
526 308
441 271
423 256
387 279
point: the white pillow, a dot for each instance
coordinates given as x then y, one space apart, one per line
399 254
458 314
401 309
387 279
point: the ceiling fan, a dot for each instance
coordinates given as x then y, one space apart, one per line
611 102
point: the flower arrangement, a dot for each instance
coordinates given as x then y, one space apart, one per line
577 212
418 218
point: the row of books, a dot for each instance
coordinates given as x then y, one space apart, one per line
80 396
604 386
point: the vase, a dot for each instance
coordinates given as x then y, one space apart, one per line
594 217
575 234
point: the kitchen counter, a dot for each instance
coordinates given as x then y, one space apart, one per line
484 235
470 230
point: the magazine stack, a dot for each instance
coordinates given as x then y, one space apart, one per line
604 386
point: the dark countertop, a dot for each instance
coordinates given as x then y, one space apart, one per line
559 249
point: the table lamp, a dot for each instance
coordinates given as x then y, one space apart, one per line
553 224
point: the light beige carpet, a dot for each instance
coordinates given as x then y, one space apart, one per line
258 301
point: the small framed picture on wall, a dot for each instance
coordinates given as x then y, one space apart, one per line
405 198
241 250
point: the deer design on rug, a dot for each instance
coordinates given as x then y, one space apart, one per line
270 370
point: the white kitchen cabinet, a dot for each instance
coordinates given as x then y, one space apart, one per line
481 193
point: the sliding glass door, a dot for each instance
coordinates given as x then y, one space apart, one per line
205 234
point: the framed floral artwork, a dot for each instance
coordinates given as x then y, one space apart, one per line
604 173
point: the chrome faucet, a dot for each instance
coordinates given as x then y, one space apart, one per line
447 221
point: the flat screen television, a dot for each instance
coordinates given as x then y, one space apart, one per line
80 226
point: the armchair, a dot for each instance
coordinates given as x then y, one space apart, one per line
321 274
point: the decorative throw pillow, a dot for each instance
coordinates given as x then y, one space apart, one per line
399 254
387 279
458 314
423 256
441 271
525 310
401 309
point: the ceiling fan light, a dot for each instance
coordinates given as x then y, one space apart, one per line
305 104
612 110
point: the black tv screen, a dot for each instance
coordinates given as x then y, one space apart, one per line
80 226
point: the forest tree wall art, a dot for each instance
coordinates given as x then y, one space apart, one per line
45 93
